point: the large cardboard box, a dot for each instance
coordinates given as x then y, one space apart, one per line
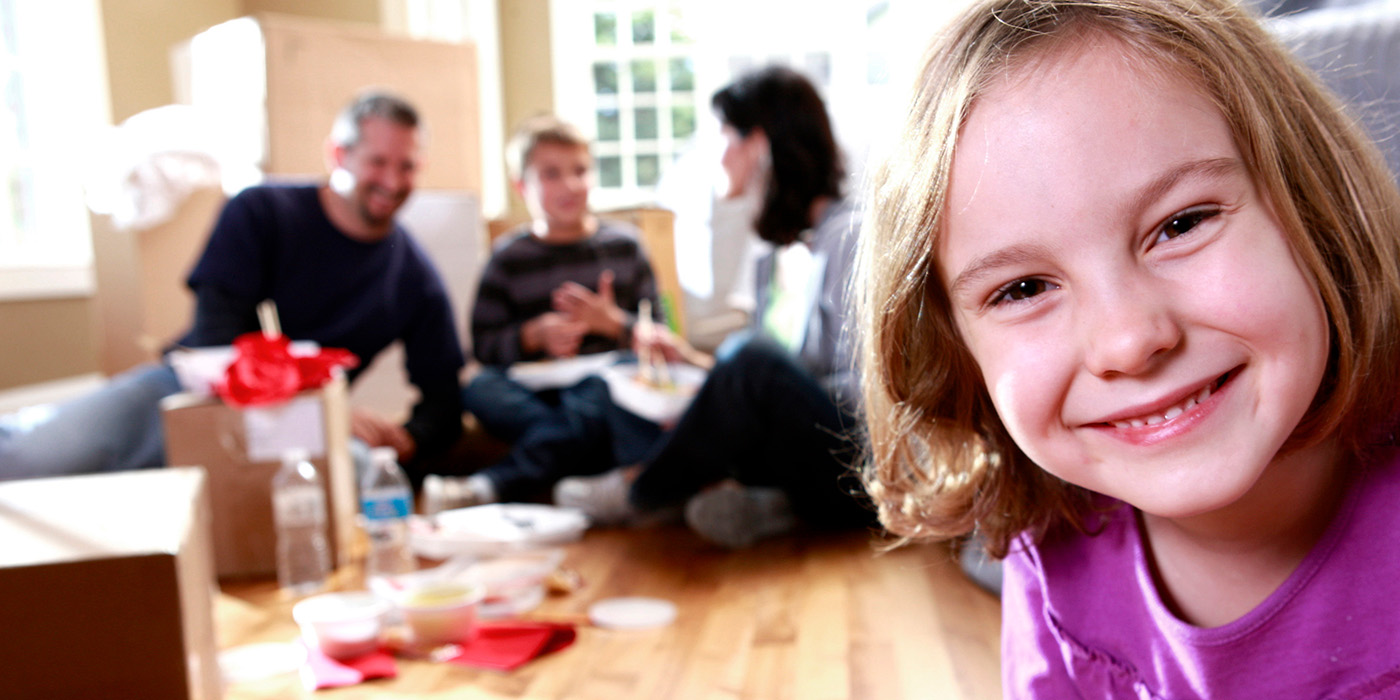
279 81
240 451
107 585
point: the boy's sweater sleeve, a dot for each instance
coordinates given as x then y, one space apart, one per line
495 326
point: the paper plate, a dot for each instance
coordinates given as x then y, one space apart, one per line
557 374
632 613
494 529
651 403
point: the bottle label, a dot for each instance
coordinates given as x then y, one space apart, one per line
299 507
385 504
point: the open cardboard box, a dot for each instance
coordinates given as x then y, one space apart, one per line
240 450
107 585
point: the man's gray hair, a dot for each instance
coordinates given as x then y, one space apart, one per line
345 131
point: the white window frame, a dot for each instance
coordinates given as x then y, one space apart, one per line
59 50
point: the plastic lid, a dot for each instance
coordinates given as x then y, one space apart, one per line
295 454
380 455
632 613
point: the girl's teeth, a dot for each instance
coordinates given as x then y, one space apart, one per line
1171 413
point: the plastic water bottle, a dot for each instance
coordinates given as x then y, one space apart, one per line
387 499
299 512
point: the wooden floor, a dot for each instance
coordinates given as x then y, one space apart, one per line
806 618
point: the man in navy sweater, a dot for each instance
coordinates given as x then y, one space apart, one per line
342 273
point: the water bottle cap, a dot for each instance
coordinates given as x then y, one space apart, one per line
380 455
295 454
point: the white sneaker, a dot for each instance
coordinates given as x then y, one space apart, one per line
603 498
737 517
449 492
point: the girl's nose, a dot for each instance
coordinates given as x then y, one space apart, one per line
1127 332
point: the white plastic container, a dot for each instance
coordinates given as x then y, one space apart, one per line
440 612
342 625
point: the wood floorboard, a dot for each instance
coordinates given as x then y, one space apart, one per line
807 617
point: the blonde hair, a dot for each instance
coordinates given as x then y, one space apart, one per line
530 133
941 463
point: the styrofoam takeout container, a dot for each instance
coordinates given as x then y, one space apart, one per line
658 405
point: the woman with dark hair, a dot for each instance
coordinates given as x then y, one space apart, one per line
768 442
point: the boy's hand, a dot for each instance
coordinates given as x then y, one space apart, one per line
554 334
598 311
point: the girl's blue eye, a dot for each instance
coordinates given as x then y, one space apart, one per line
1181 224
1019 290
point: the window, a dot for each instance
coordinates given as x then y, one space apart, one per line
55 100
628 79
637 75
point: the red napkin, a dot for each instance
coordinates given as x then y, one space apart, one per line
506 646
321 671
264 371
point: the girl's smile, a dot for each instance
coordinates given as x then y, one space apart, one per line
1138 316
1152 424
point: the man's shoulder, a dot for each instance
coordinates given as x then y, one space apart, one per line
285 192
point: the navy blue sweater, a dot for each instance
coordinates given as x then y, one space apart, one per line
276 242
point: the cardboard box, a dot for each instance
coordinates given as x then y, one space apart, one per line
279 81
240 451
142 304
108 584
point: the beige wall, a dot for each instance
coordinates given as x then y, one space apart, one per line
527 72
46 340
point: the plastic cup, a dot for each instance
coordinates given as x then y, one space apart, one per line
342 625
439 613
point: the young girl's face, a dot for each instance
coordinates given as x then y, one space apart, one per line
1138 316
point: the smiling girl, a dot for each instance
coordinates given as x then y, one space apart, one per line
1129 295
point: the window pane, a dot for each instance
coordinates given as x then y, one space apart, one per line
609 127
643 76
682 121
610 171
605 29
648 170
678 33
646 122
682 74
605 78
644 27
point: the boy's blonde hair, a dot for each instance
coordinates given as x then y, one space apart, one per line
941 462
541 128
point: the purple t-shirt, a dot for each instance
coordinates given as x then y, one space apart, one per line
1081 617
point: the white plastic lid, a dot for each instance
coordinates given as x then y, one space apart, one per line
293 455
632 613
382 455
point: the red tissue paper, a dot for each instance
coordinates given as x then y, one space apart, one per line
507 645
264 371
